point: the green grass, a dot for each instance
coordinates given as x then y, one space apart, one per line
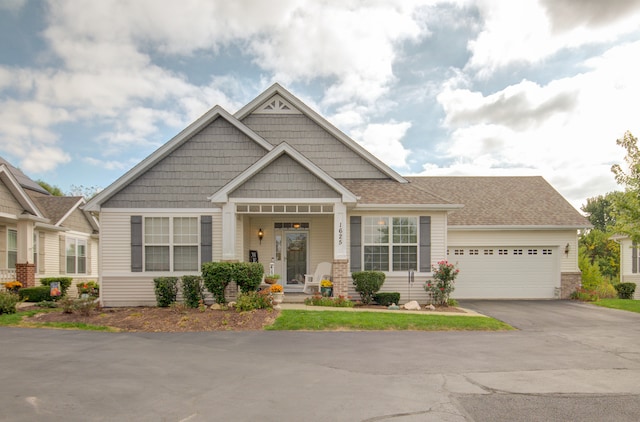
381 321
623 304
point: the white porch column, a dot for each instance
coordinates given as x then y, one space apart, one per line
229 232
340 231
25 242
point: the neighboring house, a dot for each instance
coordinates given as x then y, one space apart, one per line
629 260
42 235
278 168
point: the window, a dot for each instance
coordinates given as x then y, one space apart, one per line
390 243
12 248
76 253
488 251
473 252
35 250
171 242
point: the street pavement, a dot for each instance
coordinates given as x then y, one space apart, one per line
567 361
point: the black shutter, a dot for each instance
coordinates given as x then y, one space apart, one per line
136 243
206 249
634 258
355 255
425 244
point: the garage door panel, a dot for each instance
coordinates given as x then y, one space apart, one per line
505 273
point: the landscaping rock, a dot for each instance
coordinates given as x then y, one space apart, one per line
393 307
412 306
430 308
216 307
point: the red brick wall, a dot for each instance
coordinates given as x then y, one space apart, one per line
26 274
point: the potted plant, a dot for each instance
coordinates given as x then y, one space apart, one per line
326 288
277 292
88 288
271 278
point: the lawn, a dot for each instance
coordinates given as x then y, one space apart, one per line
623 304
382 321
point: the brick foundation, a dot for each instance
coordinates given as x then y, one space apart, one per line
26 274
340 277
569 283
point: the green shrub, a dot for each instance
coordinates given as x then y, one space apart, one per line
606 290
8 302
253 300
336 302
86 306
367 284
248 275
452 302
387 298
625 290
35 294
65 283
89 287
584 295
67 304
217 275
192 290
47 304
166 289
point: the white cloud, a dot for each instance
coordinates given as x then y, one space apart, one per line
12 5
384 141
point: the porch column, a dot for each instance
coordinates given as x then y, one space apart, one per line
25 269
228 232
340 257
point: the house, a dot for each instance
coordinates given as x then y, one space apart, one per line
278 181
42 235
629 259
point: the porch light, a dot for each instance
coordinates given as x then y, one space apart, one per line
260 235
566 249
296 225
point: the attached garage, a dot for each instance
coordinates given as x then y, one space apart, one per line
522 272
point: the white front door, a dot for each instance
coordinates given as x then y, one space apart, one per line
296 259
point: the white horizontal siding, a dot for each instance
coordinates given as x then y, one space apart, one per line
115 242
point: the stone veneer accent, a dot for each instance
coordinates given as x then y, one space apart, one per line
340 277
26 274
569 283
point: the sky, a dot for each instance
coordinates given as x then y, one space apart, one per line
474 88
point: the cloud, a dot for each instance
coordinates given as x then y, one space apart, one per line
591 13
12 5
384 141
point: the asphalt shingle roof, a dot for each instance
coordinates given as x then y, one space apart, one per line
389 192
54 207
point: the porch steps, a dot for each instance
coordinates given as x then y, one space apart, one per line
295 297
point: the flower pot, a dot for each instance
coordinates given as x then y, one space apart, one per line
270 280
326 291
278 298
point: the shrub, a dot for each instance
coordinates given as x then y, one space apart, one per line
591 276
337 302
443 284
217 276
248 275
86 306
67 304
89 287
13 286
192 290
65 283
47 304
35 294
606 290
625 290
367 284
8 302
584 295
166 289
253 300
387 298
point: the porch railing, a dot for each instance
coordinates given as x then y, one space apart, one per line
7 275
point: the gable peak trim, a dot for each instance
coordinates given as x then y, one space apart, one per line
277 105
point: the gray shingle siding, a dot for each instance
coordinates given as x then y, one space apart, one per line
327 152
8 203
193 171
78 222
284 178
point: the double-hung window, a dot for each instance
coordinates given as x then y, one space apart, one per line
76 254
390 243
171 243
12 248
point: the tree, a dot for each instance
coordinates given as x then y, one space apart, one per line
627 205
600 211
87 192
53 190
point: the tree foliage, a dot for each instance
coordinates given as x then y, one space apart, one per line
53 190
600 211
626 206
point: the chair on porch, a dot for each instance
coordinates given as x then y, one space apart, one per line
322 272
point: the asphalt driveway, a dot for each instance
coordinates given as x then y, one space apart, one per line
568 361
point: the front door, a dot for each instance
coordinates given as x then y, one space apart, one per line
296 243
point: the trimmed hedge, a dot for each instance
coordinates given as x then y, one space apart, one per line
217 275
248 275
166 289
625 290
367 284
192 290
35 294
387 298
65 283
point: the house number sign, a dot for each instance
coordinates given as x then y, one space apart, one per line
340 233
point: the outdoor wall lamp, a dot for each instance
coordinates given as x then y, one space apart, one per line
566 249
260 235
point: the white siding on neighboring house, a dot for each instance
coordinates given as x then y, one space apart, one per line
626 266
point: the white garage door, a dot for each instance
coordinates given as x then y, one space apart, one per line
505 273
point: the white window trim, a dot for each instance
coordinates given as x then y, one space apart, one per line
390 243
76 241
171 244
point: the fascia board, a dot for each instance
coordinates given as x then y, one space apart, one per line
411 207
513 228
322 122
70 211
217 111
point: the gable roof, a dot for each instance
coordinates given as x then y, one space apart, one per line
12 183
504 202
22 178
277 90
222 195
166 149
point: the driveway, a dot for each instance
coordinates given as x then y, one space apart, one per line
568 361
